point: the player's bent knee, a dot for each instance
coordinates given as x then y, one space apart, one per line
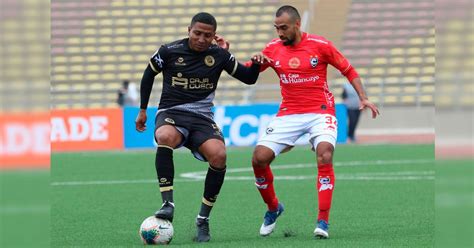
260 160
218 159
325 152
168 135
325 157
163 138
262 156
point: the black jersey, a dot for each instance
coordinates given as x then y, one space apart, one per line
189 77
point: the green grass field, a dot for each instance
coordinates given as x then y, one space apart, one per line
24 208
384 196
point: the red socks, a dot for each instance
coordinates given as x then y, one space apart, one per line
325 186
264 183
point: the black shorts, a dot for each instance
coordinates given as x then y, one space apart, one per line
195 129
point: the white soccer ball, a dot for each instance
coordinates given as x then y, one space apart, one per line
155 231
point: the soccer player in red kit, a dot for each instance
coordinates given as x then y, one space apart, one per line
301 60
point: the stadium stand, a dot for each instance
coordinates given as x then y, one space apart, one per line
97 44
392 45
24 56
455 33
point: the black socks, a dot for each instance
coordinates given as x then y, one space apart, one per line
165 171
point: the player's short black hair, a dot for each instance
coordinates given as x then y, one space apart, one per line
290 10
206 18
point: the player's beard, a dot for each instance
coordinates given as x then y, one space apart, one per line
288 41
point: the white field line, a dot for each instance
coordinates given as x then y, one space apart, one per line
200 175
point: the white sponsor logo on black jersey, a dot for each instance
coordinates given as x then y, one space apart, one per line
192 83
158 60
180 61
169 120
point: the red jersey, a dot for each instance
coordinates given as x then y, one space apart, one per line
302 70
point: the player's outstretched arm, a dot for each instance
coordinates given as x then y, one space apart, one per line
247 75
248 72
364 101
338 60
261 59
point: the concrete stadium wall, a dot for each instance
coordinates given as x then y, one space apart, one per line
398 124
455 133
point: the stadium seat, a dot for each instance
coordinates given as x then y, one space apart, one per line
397 46
411 70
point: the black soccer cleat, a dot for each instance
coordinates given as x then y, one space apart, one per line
166 211
202 225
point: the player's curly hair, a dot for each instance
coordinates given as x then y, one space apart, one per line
290 10
206 18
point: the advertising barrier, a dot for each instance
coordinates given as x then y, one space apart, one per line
132 138
24 140
241 125
86 129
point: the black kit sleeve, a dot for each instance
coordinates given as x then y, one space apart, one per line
248 75
146 85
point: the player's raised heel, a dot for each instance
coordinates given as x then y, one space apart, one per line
322 230
166 211
269 220
202 226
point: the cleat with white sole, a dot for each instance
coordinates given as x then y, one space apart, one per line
269 220
322 230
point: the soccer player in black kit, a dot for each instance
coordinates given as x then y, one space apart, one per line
191 69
